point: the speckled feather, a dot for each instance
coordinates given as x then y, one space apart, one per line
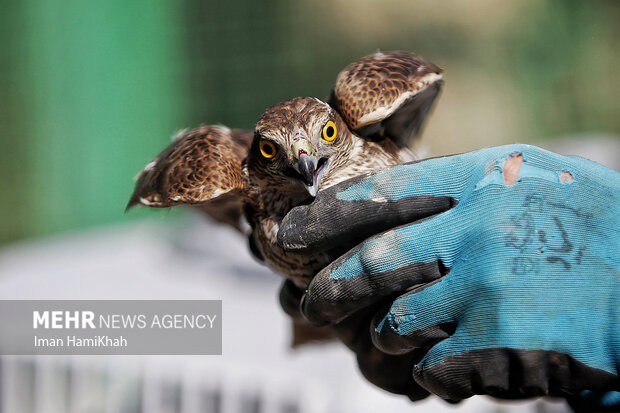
371 89
199 165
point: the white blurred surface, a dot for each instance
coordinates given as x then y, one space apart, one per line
604 149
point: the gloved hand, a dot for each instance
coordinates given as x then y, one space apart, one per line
513 286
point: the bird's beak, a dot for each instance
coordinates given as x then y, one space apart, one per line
309 167
306 167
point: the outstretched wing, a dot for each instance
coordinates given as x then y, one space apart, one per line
201 167
387 95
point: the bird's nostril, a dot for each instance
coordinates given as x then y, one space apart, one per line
301 151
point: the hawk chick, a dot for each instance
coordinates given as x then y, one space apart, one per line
300 146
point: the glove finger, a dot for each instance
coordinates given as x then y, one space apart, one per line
461 377
418 319
326 223
505 373
385 265
391 373
290 297
396 196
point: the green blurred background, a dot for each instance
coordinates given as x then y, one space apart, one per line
90 91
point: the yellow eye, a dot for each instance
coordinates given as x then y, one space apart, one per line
268 149
330 131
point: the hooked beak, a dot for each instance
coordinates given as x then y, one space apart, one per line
310 169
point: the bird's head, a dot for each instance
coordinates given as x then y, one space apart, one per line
299 144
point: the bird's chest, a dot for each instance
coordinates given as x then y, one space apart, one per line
265 207
294 265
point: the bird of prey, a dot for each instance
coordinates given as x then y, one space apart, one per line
376 108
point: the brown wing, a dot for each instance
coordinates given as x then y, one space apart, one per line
200 167
387 95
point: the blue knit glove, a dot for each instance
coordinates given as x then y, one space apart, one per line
504 265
